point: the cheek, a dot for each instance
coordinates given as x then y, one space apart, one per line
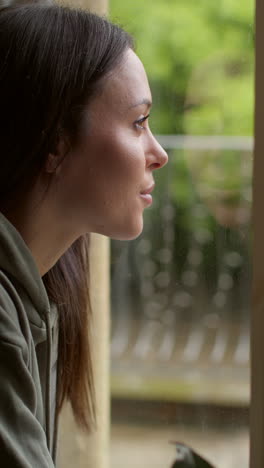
120 159
101 189
106 169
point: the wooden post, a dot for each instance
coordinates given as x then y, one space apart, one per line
76 449
257 323
96 6
98 443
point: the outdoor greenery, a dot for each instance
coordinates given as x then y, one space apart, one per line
199 56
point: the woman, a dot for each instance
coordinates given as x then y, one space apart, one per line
77 156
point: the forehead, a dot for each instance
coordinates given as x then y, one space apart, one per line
126 86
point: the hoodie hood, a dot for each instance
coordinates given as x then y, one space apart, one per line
17 261
25 302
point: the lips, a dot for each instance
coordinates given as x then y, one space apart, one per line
146 194
148 190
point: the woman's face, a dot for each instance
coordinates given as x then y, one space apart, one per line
101 181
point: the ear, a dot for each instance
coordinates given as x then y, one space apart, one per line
54 159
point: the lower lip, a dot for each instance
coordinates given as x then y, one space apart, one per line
147 198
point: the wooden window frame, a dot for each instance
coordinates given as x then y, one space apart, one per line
257 316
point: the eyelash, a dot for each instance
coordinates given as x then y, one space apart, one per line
140 121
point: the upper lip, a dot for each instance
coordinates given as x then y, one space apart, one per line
148 190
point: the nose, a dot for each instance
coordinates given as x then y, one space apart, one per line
156 155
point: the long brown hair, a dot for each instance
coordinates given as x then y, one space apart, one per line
52 61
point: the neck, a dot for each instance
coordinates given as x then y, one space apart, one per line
45 234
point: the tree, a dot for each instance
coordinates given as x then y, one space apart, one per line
199 57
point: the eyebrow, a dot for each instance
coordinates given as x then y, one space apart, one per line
144 101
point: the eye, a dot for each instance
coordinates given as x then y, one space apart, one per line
139 124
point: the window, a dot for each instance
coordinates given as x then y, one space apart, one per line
181 291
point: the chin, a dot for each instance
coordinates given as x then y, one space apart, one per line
128 232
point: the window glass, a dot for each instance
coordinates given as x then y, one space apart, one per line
181 291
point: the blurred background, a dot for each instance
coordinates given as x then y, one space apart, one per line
181 291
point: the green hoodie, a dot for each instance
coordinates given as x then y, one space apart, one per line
28 358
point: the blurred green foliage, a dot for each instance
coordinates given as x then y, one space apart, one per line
199 56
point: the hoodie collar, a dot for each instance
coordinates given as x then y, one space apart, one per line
17 261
